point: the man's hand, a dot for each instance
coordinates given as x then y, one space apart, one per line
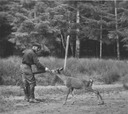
47 69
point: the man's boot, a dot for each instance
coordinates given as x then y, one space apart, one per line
33 101
32 95
26 96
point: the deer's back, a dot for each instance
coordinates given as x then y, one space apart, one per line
74 83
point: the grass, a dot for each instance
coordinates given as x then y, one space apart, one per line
105 71
11 97
10 70
5 93
102 71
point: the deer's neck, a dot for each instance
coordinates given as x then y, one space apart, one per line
62 77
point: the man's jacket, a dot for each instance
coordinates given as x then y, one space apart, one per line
30 58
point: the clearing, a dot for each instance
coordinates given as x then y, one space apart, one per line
52 97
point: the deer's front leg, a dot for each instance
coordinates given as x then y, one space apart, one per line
67 96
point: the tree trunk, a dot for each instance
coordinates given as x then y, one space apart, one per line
71 48
101 42
62 45
117 37
77 51
63 42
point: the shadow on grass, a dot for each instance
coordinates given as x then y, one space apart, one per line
41 100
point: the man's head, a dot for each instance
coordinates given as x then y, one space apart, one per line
36 47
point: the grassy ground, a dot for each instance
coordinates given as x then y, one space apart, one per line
103 71
52 97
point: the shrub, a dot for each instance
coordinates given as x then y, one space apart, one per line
9 70
110 77
107 71
125 79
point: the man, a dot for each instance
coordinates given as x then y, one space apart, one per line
29 82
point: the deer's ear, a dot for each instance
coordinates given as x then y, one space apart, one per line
90 82
61 69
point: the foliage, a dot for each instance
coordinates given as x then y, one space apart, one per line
125 79
5 26
49 22
10 71
111 76
106 71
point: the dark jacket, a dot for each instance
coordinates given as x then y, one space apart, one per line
30 58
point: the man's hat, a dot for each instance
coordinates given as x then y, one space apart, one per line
37 44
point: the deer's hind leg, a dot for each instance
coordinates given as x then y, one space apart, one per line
99 97
72 92
97 93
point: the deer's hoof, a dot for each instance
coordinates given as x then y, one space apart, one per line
101 103
72 103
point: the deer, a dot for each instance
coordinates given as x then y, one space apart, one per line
75 83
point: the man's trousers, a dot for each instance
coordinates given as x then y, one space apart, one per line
29 81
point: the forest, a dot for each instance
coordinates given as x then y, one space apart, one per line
96 28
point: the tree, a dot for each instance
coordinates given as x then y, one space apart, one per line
5 26
50 22
92 21
118 32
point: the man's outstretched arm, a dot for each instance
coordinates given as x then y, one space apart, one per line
39 66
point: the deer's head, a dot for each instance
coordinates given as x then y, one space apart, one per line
90 82
58 70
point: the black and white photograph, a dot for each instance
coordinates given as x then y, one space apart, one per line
63 56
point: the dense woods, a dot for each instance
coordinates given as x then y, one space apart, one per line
96 28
